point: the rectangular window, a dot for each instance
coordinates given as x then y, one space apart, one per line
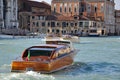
37 24
60 9
80 24
102 7
71 24
48 24
86 24
33 23
33 17
54 9
69 9
93 31
75 24
40 52
39 17
75 10
52 24
65 10
43 24
63 24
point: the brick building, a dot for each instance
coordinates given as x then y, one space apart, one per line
32 15
88 13
105 11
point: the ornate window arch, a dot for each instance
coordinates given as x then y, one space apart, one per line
75 8
61 7
70 7
65 7
54 8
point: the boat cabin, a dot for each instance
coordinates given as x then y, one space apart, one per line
60 42
45 53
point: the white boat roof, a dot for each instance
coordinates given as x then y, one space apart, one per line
46 49
58 40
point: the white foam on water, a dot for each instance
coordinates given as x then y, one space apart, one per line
5 68
30 75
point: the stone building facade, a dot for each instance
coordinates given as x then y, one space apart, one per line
38 18
62 16
8 14
117 20
32 15
1 15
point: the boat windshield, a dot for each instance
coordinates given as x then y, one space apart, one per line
63 42
41 51
57 42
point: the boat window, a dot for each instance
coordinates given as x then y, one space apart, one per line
40 52
57 42
55 55
63 51
63 42
68 49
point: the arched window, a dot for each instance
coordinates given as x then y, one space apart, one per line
60 7
65 7
37 24
48 31
54 8
65 10
89 8
48 24
69 7
75 8
102 7
95 7
57 31
63 24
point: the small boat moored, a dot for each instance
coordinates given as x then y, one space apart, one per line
45 58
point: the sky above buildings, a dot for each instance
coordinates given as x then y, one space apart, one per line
117 3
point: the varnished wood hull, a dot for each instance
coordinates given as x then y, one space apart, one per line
41 66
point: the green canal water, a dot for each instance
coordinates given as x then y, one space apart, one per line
98 59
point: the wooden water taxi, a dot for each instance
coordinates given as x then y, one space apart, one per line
74 39
45 58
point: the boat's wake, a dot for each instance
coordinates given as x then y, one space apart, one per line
30 75
78 68
5 68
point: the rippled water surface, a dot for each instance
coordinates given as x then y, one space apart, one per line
98 59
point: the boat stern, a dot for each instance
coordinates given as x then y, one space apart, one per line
21 66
